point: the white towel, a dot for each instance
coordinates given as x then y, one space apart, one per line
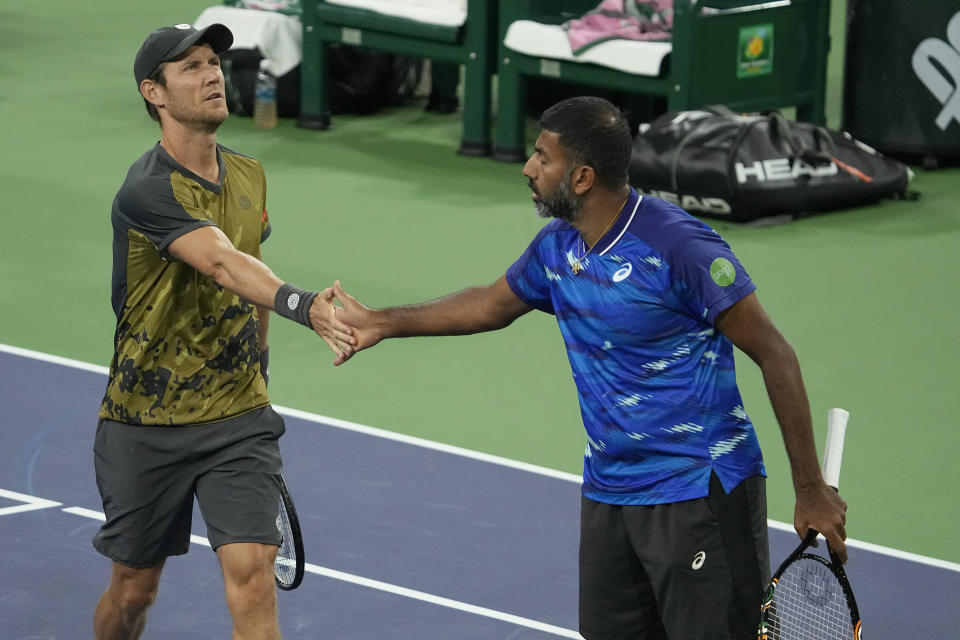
277 36
447 13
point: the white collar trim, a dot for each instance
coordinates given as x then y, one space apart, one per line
625 226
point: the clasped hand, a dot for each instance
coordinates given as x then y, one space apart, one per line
346 328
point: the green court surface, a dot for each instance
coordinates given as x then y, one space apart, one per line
868 297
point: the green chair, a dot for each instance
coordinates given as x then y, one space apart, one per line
472 45
708 63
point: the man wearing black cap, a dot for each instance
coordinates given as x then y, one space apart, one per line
186 410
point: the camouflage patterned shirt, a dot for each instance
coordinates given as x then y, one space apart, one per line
186 350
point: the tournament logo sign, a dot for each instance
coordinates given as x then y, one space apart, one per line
755 55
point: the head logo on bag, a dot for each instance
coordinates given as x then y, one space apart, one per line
780 169
691 204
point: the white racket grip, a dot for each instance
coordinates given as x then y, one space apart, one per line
833 452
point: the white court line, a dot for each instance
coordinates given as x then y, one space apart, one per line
86 513
31 503
428 444
475 455
443 602
876 548
46 357
385 586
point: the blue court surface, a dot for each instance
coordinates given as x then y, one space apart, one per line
404 538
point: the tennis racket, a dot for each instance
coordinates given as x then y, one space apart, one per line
288 567
810 597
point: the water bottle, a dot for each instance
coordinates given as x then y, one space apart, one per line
265 98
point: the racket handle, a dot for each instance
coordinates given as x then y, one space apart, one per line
833 452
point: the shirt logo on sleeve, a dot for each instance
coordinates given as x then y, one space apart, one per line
722 272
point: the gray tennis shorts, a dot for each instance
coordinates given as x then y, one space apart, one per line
695 570
148 476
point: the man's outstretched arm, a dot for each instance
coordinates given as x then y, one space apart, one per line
211 253
472 310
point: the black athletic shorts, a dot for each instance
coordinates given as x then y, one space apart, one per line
148 476
693 570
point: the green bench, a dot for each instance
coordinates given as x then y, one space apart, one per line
472 45
705 65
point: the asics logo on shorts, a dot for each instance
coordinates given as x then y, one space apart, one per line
698 560
623 272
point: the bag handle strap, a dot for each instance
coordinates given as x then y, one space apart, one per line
810 155
780 125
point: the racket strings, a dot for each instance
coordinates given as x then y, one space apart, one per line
285 566
808 604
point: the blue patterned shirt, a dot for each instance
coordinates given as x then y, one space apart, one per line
655 378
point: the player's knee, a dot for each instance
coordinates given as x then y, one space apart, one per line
136 602
248 573
135 594
251 576
251 591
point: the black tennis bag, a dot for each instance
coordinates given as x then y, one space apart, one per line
719 164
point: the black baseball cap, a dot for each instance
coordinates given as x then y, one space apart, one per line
166 43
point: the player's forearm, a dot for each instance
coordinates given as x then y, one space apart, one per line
784 384
461 313
247 277
211 253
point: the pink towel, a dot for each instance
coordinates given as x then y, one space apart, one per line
626 19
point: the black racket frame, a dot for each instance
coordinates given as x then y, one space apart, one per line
297 540
834 565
